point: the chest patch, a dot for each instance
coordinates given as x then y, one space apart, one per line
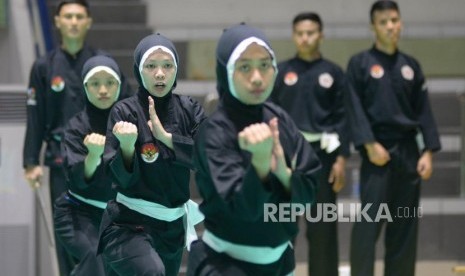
407 72
149 153
58 84
325 80
31 96
291 78
377 71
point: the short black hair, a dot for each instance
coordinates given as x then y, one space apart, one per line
312 16
382 5
83 3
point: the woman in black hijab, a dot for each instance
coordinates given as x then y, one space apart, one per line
148 152
248 154
78 212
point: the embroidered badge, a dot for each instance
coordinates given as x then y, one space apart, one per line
149 153
325 80
407 72
58 84
376 71
31 96
291 78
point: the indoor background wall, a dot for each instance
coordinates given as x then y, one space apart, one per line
434 30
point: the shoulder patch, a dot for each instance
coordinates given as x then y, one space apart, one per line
31 96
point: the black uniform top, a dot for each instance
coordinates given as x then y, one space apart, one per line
313 95
55 94
233 195
388 99
90 120
164 180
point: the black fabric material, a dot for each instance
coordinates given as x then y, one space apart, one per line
77 227
100 60
134 244
398 185
388 102
166 180
388 106
58 186
323 253
313 103
203 261
233 195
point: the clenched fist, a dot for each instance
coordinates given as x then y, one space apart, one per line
95 144
126 133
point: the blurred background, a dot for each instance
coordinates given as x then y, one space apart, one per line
434 33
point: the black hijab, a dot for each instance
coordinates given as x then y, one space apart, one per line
146 46
98 117
233 41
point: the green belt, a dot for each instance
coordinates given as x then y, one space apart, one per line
311 137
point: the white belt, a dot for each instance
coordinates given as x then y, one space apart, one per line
328 141
251 254
93 202
189 210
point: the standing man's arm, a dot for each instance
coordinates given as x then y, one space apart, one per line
362 134
340 123
428 127
35 128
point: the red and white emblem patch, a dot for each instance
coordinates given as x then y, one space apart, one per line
325 80
407 72
291 78
58 84
377 71
149 153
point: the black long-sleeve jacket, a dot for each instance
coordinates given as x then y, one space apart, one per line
388 99
164 180
90 120
234 197
313 95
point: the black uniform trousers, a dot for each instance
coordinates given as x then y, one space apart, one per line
323 257
58 186
204 261
77 227
135 244
398 184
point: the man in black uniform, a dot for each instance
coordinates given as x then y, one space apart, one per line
310 88
248 153
387 105
55 94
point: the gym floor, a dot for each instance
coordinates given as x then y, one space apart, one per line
424 268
